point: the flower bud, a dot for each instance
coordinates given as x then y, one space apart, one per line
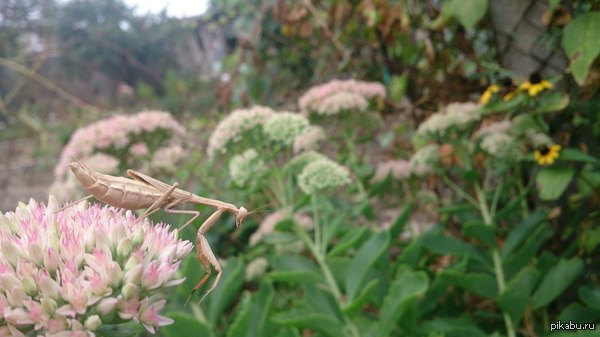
107 305
124 248
49 305
93 322
29 286
129 291
138 237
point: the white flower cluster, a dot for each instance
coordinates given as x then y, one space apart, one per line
500 145
425 160
246 166
284 127
322 174
309 139
456 116
232 127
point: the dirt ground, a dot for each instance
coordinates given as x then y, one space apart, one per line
24 173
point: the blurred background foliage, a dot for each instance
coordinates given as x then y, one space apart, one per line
478 246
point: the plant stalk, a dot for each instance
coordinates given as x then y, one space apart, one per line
498 271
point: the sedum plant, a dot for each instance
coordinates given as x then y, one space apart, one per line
84 271
151 141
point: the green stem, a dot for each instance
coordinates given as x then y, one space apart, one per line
498 271
459 191
329 279
522 193
317 225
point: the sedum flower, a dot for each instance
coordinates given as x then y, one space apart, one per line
232 127
309 139
246 166
342 101
535 85
484 130
256 268
285 126
321 174
500 145
166 158
337 95
103 144
456 116
424 161
398 169
546 155
78 280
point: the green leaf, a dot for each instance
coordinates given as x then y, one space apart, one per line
452 327
553 181
481 232
304 318
441 244
521 231
513 263
573 154
403 292
361 299
253 315
185 325
401 221
514 298
581 43
578 313
457 208
228 289
365 258
350 239
556 281
466 12
398 86
294 269
481 284
321 300
553 102
527 123
591 297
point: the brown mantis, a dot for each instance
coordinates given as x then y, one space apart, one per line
143 191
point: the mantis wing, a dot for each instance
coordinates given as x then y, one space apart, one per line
148 180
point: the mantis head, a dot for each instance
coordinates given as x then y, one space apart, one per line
241 215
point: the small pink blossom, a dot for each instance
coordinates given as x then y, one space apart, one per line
149 315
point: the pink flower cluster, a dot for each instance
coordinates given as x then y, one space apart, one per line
67 273
336 96
398 169
116 132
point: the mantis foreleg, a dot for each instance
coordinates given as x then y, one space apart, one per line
205 254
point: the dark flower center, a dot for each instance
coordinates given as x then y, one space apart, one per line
543 150
506 82
535 78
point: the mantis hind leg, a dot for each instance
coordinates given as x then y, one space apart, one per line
73 204
158 202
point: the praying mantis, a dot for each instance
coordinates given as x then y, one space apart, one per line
142 191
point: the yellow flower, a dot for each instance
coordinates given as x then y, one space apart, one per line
487 94
545 155
506 88
535 85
